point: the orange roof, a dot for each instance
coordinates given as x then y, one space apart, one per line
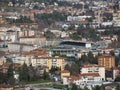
90 74
90 65
35 53
106 55
72 78
65 71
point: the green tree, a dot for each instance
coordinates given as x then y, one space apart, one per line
74 87
49 35
46 75
71 27
117 79
10 71
3 78
97 88
84 59
86 88
91 58
9 60
10 75
24 74
102 87
53 69
73 68
118 87
75 36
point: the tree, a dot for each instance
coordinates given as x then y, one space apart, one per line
74 87
117 79
73 68
49 35
84 58
118 87
10 75
53 69
71 27
98 88
91 58
3 78
10 71
75 36
102 87
24 74
86 88
9 60
46 75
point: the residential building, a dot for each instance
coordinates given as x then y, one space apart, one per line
107 61
32 40
2 60
25 33
39 58
116 72
89 77
93 70
29 57
18 47
50 62
65 73
105 50
71 79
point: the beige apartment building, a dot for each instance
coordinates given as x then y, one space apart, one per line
50 61
107 61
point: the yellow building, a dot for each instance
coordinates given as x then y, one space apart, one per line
50 61
2 61
107 61
65 73
1 19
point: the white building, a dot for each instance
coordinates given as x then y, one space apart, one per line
77 18
18 47
93 69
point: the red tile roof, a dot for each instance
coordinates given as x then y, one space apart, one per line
90 65
65 71
90 74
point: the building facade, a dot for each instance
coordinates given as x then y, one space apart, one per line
93 69
50 62
107 61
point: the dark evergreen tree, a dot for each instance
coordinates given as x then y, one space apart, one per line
10 75
117 79
74 87
24 74
46 75
10 71
86 88
53 69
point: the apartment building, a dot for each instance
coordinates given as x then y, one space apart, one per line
107 61
93 70
65 73
50 62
